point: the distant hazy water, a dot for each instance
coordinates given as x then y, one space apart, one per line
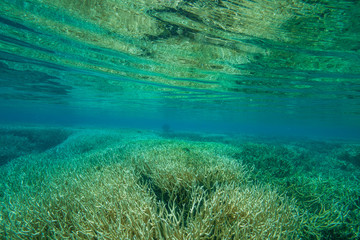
274 67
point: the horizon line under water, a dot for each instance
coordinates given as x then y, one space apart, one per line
256 67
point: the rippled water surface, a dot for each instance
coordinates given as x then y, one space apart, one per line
272 66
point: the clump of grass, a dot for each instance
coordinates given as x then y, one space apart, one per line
326 195
141 189
172 169
172 164
350 154
330 206
101 204
21 141
272 161
244 212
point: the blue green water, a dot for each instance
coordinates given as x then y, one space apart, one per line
283 67
180 119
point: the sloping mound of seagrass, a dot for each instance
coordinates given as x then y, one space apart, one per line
21 141
125 186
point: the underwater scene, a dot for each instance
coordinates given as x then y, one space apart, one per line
180 119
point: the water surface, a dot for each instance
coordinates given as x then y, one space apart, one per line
288 67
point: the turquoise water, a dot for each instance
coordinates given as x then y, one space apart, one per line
284 67
179 119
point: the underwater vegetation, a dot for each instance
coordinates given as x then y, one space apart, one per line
136 184
16 142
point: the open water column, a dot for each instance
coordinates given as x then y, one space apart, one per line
180 119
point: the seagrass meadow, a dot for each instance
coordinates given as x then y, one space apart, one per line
180 119
72 183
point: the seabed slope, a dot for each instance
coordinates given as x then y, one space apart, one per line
140 184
